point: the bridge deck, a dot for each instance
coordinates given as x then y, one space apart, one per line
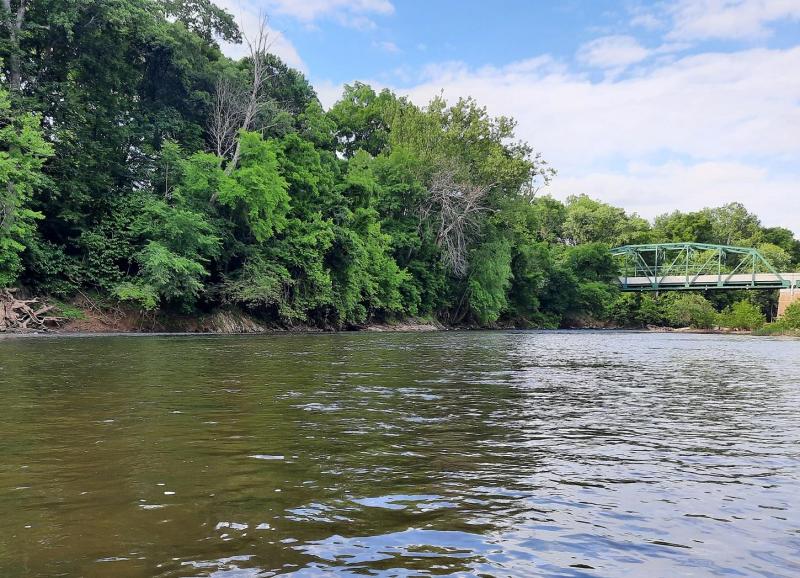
743 281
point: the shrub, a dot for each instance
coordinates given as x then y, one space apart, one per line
791 317
68 311
693 310
789 323
636 310
742 315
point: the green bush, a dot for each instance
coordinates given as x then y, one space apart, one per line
789 323
742 315
636 310
692 310
68 311
791 317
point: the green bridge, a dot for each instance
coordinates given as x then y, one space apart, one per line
697 266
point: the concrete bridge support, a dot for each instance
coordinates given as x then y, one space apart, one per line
786 298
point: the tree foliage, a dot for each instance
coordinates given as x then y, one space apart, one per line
23 152
138 162
691 310
742 315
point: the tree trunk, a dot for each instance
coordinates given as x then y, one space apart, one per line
14 21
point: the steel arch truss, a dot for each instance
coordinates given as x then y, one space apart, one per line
692 266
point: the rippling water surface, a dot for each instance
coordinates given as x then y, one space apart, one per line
450 454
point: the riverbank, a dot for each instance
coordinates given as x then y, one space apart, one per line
86 317
94 320
234 326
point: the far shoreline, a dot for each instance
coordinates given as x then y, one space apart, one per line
375 328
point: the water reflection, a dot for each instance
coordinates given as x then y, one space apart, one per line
496 454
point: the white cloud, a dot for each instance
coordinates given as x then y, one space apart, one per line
728 117
728 19
351 13
328 92
612 52
654 189
249 20
387 46
713 105
647 20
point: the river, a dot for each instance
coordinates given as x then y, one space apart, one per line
575 453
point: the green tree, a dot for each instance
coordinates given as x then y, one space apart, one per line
742 315
204 18
680 227
791 317
780 259
257 192
590 221
23 152
363 118
488 282
733 224
636 310
784 239
691 310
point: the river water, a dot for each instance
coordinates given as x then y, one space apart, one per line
577 454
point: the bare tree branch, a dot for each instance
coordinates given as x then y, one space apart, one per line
227 116
236 107
455 208
256 99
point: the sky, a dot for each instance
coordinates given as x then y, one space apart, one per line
653 107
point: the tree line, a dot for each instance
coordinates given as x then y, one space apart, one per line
141 165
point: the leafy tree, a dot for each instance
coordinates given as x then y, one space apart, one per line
590 221
257 192
23 152
363 119
531 268
592 262
367 279
176 244
780 259
162 274
636 310
595 298
732 224
691 310
138 162
204 18
680 227
742 315
784 239
791 317
488 282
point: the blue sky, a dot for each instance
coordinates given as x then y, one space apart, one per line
651 106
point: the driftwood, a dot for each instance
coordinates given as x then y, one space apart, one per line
24 313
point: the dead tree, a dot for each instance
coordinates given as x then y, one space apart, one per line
455 209
228 116
236 107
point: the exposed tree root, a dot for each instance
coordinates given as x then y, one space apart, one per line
24 313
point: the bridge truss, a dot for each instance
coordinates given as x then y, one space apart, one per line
693 266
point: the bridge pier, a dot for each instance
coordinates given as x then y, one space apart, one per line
786 298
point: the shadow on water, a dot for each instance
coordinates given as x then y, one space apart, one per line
495 454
